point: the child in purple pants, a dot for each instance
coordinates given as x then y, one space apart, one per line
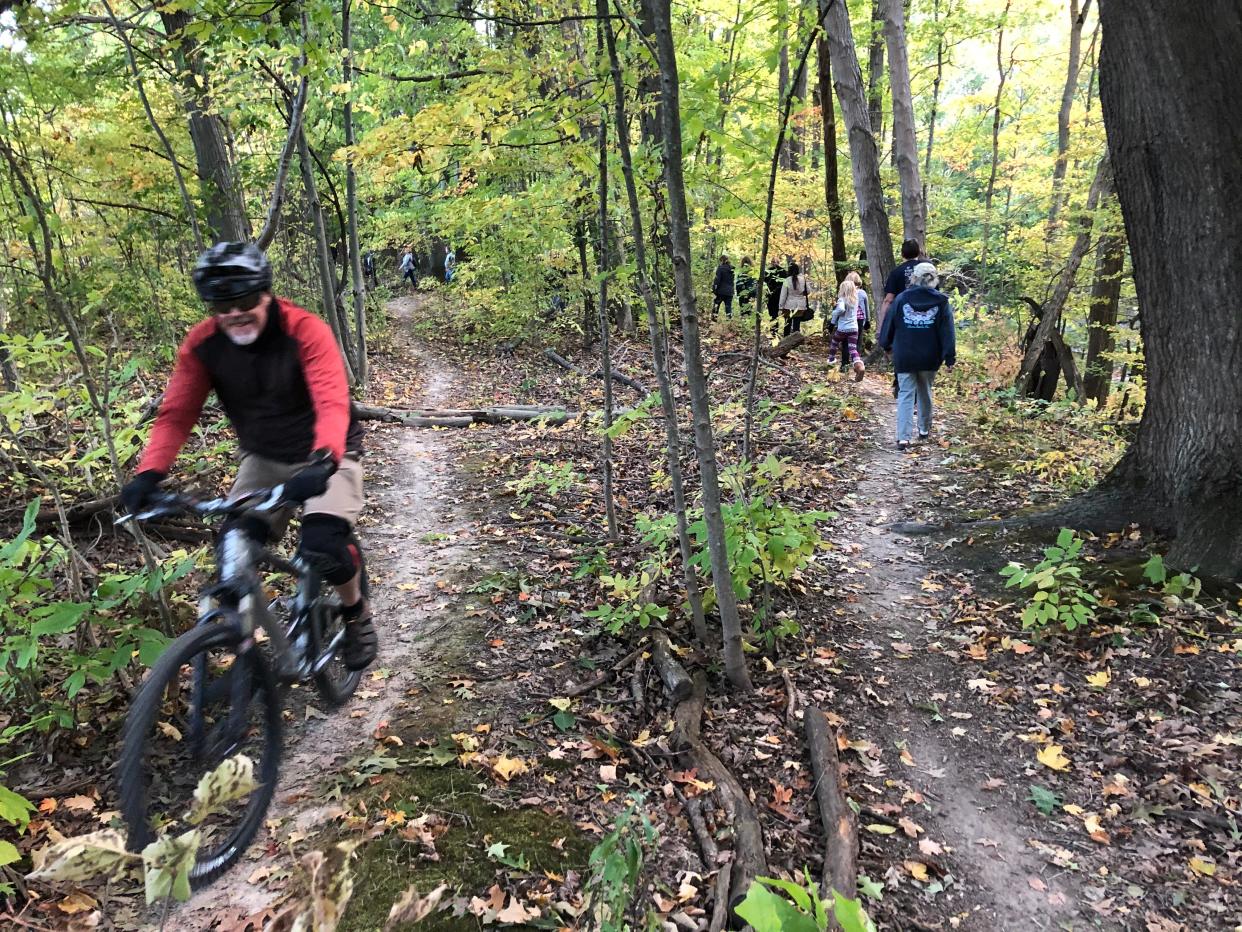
846 323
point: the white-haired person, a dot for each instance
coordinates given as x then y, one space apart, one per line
919 333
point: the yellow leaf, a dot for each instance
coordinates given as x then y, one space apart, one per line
1053 757
507 767
1100 679
917 869
1205 868
78 902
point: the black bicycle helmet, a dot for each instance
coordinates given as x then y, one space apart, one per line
231 270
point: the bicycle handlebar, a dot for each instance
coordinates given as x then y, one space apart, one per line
168 504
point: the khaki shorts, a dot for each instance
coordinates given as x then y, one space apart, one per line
342 500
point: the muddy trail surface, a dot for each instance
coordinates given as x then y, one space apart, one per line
931 773
410 531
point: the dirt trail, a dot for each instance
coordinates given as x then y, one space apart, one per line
408 535
988 840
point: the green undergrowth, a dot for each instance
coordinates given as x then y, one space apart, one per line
386 866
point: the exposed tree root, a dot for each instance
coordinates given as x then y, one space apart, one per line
749 860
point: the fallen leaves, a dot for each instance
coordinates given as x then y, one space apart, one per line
1053 757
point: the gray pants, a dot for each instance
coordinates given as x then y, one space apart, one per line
912 386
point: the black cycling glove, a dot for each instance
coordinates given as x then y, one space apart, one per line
311 480
138 491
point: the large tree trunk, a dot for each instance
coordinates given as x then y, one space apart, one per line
905 145
226 211
864 157
832 187
1110 256
1167 82
1063 116
700 402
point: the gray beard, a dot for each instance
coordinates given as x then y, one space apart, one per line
240 339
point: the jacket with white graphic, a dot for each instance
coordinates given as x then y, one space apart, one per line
918 330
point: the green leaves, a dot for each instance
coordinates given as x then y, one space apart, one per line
800 909
1059 594
15 808
1045 800
166 865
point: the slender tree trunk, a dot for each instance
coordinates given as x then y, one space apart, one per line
832 186
1063 116
605 270
1028 377
327 277
935 105
1175 141
905 144
782 84
1002 76
351 201
225 208
700 402
1110 257
864 157
875 74
659 358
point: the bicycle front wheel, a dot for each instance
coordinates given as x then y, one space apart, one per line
207 698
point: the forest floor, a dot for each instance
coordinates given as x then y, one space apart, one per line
1004 779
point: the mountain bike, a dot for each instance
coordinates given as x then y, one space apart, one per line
266 622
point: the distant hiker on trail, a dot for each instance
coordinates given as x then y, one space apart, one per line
746 284
722 287
408 268
920 335
795 299
368 269
773 278
846 325
898 281
450 265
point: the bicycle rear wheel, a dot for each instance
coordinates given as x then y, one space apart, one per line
206 699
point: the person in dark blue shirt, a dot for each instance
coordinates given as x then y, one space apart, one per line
919 333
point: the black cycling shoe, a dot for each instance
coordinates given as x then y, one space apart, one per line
361 642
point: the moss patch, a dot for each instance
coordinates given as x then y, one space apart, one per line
385 867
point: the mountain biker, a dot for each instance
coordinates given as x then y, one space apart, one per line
279 376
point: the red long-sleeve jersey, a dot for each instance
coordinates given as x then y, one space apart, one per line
286 394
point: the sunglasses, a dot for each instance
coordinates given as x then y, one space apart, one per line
243 304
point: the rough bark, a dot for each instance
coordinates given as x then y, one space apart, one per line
672 674
222 199
659 359
700 402
1027 381
1110 255
1167 75
905 143
832 183
1077 16
605 325
864 156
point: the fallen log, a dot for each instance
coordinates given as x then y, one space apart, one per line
840 823
786 345
463 417
603 676
672 674
597 374
749 860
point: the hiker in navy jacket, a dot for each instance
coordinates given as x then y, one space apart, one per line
919 332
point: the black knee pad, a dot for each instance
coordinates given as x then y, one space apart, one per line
328 545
